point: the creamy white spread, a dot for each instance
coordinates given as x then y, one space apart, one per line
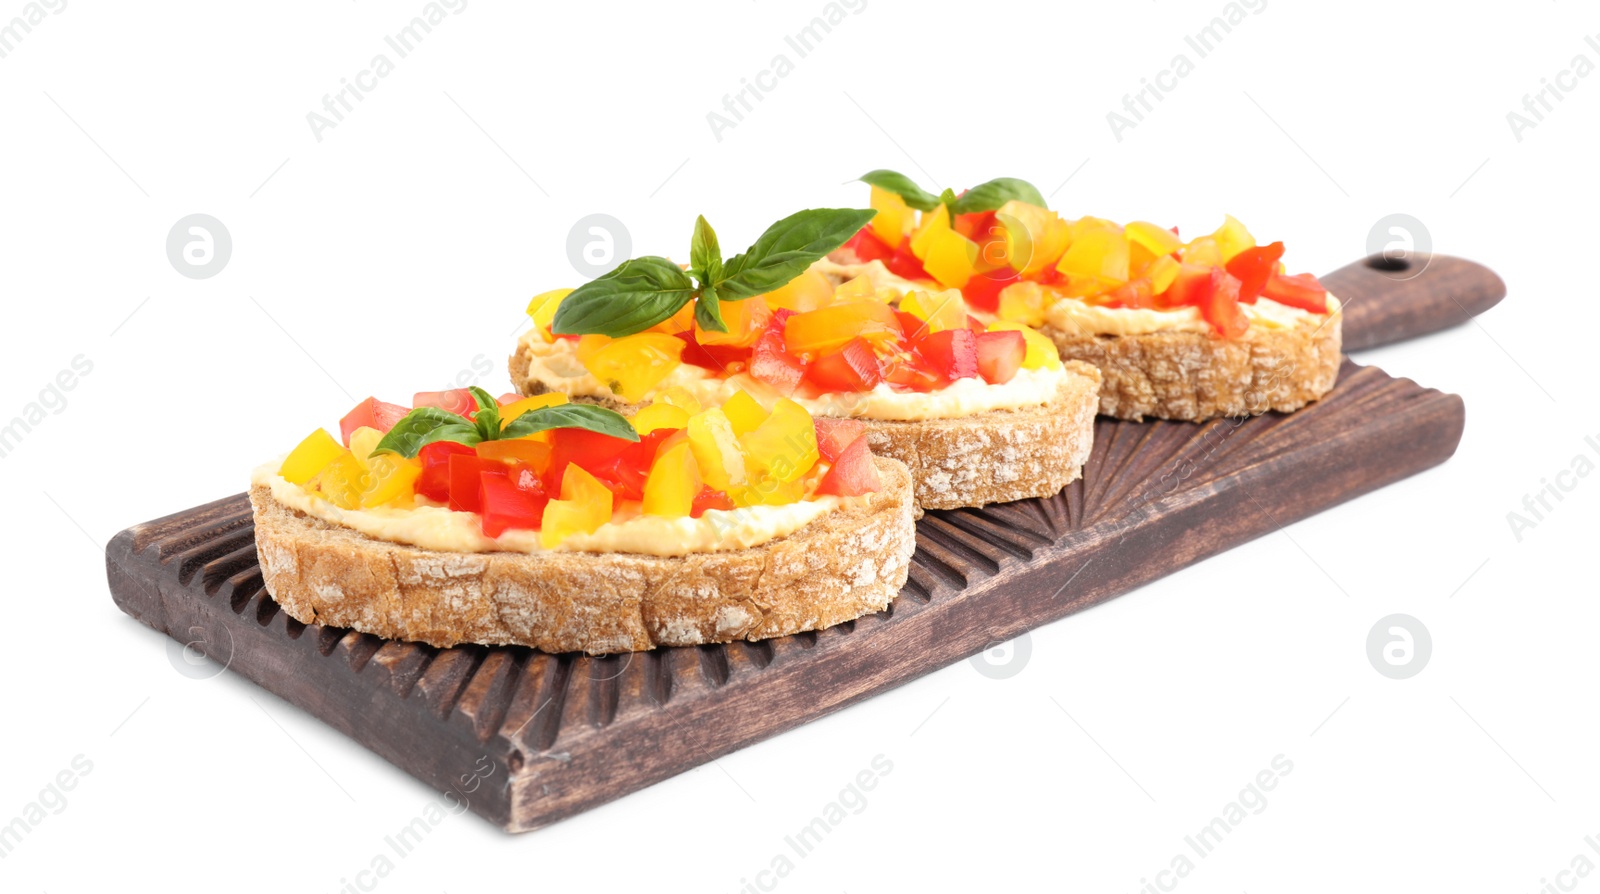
1078 316
875 272
556 367
432 526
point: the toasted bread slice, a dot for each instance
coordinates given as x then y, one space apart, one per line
1195 376
849 563
991 457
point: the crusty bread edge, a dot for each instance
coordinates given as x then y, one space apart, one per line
1192 376
991 457
849 563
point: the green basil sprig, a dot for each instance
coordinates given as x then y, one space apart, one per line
425 425
988 196
645 291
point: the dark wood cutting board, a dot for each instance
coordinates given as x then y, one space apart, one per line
528 738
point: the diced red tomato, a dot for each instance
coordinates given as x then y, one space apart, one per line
1132 294
851 368
510 397
911 324
466 473
590 450
1000 355
853 473
975 226
906 265
709 498
717 358
1221 307
983 291
833 435
909 373
371 413
951 354
1253 267
457 400
771 362
1301 290
625 474
434 482
975 324
504 505
868 247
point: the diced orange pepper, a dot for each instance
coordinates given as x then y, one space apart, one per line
632 365
584 506
831 327
311 456
682 321
746 320
1097 260
673 483
533 452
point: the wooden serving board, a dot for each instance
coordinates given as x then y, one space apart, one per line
529 738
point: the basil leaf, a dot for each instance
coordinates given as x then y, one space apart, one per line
585 416
637 295
990 196
786 249
705 255
902 186
708 310
413 430
466 434
485 399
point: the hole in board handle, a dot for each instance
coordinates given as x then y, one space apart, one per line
1389 264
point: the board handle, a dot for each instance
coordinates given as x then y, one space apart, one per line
1393 299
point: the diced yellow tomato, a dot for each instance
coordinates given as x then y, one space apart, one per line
746 320
783 446
680 396
538 401
933 223
310 457
673 483
744 412
1042 353
659 415
1157 240
952 258
343 480
808 291
1161 273
584 506
1097 260
858 289
716 449
831 327
1232 238
363 441
543 310
766 489
1203 252
1025 302
390 477
893 217
632 365
941 310
1034 237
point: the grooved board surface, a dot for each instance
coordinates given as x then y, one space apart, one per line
561 733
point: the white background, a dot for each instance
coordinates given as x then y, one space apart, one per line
401 248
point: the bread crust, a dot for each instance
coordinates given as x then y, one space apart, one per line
991 457
1194 376
849 563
